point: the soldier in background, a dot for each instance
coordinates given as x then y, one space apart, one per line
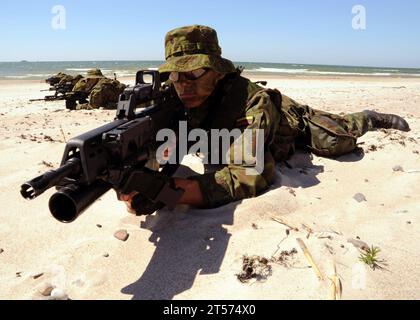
105 94
86 84
66 85
82 89
55 79
62 82
63 85
69 81
98 91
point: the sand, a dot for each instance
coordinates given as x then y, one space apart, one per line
197 254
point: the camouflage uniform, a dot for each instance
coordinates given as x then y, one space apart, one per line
286 124
102 92
105 94
69 81
86 84
82 89
55 79
239 103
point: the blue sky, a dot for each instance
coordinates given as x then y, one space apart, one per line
299 31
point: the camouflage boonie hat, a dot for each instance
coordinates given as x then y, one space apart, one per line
194 47
94 73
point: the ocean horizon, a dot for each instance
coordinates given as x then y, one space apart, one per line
32 70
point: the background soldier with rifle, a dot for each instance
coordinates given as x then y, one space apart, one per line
63 85
93 91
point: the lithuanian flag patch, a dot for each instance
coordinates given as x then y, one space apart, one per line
246 121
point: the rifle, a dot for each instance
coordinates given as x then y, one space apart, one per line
49 98
105 157
63 88
71 98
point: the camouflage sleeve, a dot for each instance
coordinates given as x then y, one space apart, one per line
234 182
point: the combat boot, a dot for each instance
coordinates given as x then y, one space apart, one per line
386 121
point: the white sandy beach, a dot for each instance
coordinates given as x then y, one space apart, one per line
196 254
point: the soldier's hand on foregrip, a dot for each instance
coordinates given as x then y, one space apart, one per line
127 198
147 191
139 205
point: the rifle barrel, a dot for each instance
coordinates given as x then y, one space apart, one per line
51 178
71 200
33 100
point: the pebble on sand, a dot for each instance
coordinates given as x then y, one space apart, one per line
121 235
398 168
45 289
58 294
359 197
358 244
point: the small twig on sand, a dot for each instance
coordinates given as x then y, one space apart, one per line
308 229
64 136
285 223
335 287
310 259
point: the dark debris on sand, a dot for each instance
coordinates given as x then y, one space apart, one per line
254 267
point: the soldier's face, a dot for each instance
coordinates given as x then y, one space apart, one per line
193 93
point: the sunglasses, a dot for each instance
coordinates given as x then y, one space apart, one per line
192 75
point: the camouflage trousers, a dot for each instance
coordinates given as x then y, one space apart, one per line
323 133
332 135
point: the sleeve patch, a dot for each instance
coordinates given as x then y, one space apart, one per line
245 121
